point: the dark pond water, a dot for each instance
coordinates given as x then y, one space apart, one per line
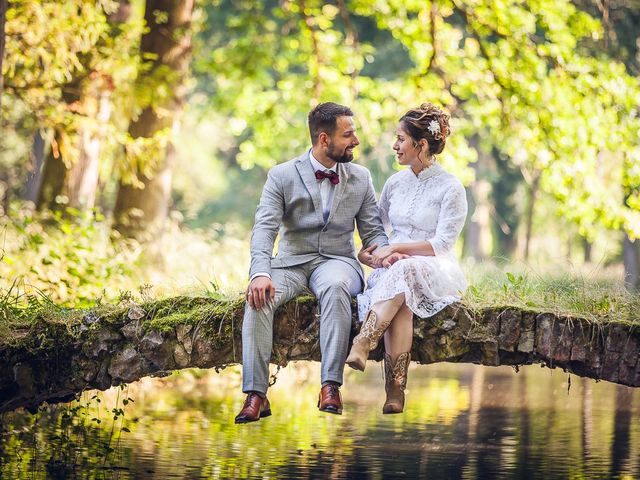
461 421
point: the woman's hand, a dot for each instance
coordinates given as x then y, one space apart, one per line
365 257
393 258
381 253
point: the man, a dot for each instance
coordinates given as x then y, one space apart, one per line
312 201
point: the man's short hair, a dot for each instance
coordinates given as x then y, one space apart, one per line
324 118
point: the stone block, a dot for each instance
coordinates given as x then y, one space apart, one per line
526 343
490 354
631 351
101 341
562 340
544 335
181 356
510 322
128 365
157 348
183 334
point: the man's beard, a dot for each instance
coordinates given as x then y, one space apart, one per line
343 157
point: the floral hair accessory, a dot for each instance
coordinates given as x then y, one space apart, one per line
434 127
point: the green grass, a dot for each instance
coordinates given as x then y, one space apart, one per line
593 293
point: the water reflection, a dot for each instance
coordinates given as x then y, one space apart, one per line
461 421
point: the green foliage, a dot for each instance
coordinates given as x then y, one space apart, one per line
70 68
71 259
517 74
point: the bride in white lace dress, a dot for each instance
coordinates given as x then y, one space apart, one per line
424 209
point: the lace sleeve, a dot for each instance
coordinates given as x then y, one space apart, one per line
384 208
453 212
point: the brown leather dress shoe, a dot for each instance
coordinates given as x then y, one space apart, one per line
330 400
255 407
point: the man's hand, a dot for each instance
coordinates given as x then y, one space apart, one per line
381 253
260 292
393 258
365 257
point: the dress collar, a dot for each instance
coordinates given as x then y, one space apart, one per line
429 172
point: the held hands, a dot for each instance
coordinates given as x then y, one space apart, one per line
380 254
375 257
260 292
365 256
393 258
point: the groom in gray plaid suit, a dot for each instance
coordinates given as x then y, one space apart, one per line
313 201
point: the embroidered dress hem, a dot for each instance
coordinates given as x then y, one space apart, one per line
429 284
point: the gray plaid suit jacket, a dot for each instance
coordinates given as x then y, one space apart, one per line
291 206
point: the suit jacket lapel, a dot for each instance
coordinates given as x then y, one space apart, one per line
311 182
343 172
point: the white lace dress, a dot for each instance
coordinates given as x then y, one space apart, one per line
431 206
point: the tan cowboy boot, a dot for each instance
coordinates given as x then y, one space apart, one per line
395 381
366 340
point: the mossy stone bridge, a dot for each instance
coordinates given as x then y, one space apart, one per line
57 356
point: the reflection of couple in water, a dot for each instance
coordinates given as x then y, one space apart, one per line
312 201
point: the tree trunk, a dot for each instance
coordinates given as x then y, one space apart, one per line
505 208
630 249
631 254
70 175
141 209
476 237
35 170
54 174
533 193
83 176
587 246
4 4
5 194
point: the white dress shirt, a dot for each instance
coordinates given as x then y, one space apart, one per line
327 189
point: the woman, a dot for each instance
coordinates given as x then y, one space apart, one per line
425 209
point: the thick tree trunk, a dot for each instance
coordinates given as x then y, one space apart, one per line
54 175
141 209
70 175
506 216
53 360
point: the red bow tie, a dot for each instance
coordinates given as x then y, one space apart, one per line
333 177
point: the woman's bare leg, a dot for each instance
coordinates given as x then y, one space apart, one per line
372 329
399 336
387 309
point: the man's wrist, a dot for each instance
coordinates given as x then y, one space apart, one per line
259 274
